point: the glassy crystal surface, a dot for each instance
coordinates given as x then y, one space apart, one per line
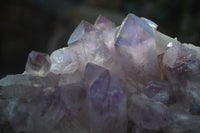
129 78
151 23
63 61
136 46
103 23
107 104
78 34
38 64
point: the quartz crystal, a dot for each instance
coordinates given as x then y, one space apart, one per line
63 61
135 45
38 64
107 102
129 78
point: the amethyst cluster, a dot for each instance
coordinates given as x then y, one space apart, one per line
110 79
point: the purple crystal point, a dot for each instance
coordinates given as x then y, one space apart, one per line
136 50
92 72
38 64
103 23
133 31
107 104
80 31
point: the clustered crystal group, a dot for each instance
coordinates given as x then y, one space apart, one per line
125 79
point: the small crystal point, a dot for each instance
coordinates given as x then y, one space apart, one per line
80 31
38 64
103 23
163 42
92 72
63 61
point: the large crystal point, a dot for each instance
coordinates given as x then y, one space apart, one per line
38 64
64 61
137 52
107 104
80 31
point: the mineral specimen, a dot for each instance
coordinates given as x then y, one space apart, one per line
38 64
125 79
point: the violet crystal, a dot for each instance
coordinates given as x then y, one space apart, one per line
125 79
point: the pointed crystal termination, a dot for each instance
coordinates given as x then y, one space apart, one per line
38 64
133 31
92 72
80 31
103 23
107 103
162 42
63 61
136 47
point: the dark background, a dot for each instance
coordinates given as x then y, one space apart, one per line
45 25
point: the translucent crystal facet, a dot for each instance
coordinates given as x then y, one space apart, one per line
136 46
159 91
80 31
102 23
107 104
63 61
38 64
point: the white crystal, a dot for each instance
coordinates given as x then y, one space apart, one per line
63 61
